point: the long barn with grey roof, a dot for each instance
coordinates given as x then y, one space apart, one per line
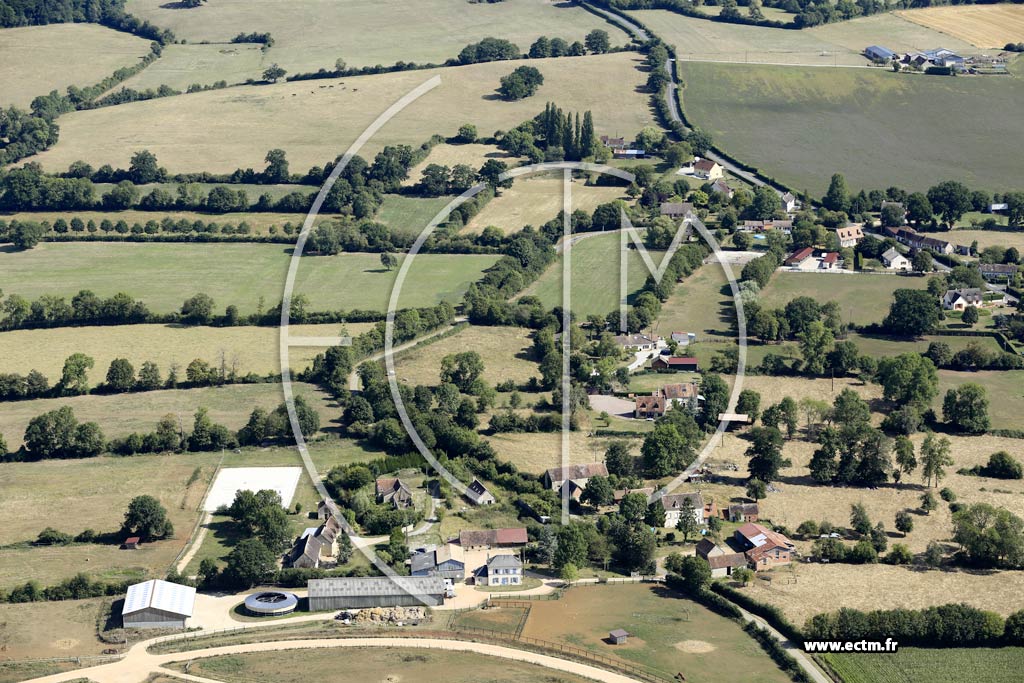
361 593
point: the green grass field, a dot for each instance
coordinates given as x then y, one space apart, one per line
1004 389
164 275
314 121
409 215
506 352
120 414
851 110
916 665
667 632
312 34
701 304
595 276
863 299
183 65
248 349
37 59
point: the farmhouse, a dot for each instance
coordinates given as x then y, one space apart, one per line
960 299
316 545
721 187
325 508
445 561
742 512
785 226
481 539
876 53
706 169
394 491
366 592
721 560
894 260
790 203
997 271
157 604
637 342
684 395
849 236
808 259
674 504
649 407
501 570
675 364
581 474
676 209
478 494
763 547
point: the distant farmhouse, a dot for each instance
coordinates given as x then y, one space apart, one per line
849 236
555 477
706 169
637 342
675 209
394 491
482 539
683 395
961 299
478 494
674 505
501 570
649 407
763 547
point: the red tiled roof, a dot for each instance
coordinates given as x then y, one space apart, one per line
830 257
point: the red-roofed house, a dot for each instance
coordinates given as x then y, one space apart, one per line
707 169
649 406
797 258
763 547
830 260
675 364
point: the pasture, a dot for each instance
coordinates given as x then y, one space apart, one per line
536 452
248 349
36 59
839 44
990 238
863 299
987 26
27 632
668 632
981 665
850 110
506 352
121 414
1005 391
314 121
371 664
409 215
595 275
312 34
535 200
250 276
183 65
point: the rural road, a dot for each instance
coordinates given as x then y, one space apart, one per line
794 650
139 663
353 378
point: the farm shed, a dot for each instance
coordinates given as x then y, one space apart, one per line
157 604
618 636
361 593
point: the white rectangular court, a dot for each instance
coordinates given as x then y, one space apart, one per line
229 481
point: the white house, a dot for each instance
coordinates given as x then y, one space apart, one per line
501 570
707 169
960 299
674 506
894 260
790 203
637 342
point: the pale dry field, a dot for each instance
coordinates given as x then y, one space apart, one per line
37 59
506 352
249 349
314 121
537 452
183 65
473 154
990 238
536 200
312 34
27 630
987 26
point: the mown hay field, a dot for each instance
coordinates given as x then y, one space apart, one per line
987 26
312 34
850 110
37 59
247 349
833 44
535 200
244 275
372 663
314 121
506 352
667 632
180 66
409 215
595 275
981 665
990 238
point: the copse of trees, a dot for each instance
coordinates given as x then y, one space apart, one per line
521 83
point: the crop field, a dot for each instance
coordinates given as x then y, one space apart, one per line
988 26
1005 391
312 34
248 349
27 632
863 299
258 222
595 276
850 110
313 121
121 414
506 352
828 45
981 665
409 215
667 632
35 59
180 66
372 663
472 154
164 275
536 200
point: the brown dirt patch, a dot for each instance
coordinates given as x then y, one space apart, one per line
696 647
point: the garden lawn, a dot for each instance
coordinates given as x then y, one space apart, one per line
244 275
667 632
850 110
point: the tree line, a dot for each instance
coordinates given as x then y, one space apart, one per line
109 13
